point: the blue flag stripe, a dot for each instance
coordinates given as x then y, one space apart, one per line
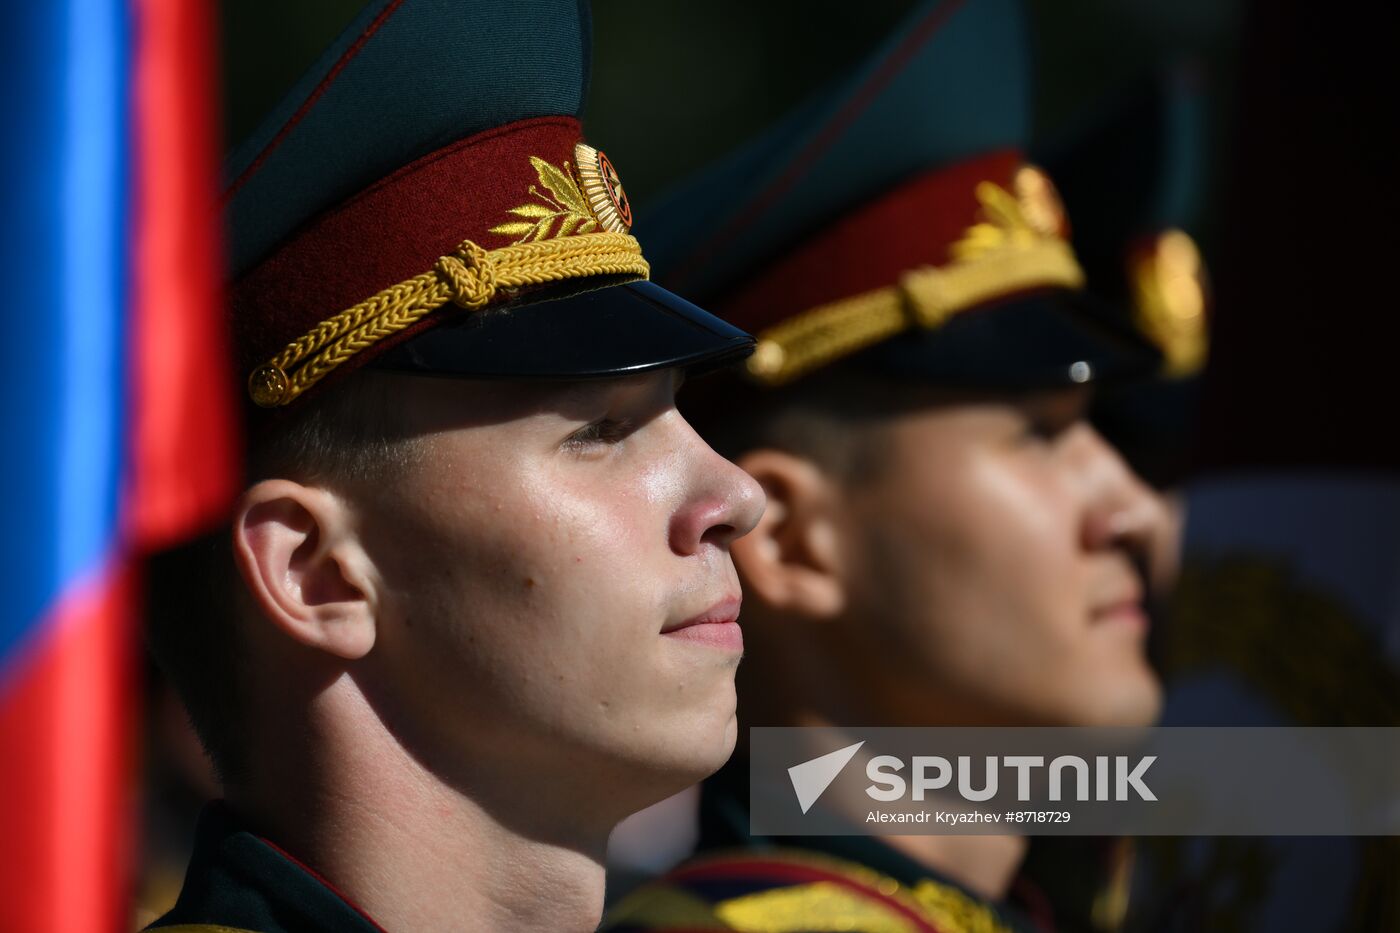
62 347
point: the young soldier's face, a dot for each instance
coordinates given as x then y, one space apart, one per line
992 554
543 562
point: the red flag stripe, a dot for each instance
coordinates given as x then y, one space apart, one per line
183 441
65 740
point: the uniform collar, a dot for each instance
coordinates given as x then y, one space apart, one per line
241 880
724 825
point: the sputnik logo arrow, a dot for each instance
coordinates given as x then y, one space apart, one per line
811 778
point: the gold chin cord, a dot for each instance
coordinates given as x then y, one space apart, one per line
1017 245
469 278
925 297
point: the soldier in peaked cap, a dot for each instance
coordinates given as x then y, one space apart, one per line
482 599
948 541
1132 171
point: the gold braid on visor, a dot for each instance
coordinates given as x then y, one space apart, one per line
469 278
1017 247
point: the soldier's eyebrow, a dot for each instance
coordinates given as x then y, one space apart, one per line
580 398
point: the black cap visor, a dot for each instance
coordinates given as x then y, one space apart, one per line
612 331
1036 341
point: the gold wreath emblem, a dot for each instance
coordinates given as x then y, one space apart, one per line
1027 215
603 189
559 208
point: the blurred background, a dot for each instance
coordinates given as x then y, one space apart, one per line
1281 454
676 84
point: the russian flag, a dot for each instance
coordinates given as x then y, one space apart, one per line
116 412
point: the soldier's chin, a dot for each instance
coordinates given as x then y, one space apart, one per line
1125 697
1128 699
690 755
711 759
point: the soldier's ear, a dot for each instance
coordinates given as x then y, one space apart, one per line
792 560
301 561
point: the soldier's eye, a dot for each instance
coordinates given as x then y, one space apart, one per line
602 431
1047 430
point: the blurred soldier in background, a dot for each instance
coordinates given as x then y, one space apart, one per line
1132 170
1287 611
948 540
477 603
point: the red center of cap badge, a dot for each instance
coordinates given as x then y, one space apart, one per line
603 189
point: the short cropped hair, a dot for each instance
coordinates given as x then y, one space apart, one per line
347 437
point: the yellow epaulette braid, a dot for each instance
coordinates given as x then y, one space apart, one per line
470 278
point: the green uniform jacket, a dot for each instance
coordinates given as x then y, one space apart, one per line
801 884
238 881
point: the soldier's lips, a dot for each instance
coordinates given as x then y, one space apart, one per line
717 627
1126 612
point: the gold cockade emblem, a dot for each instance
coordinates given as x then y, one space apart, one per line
1170 295
1040 201
603 189
563 206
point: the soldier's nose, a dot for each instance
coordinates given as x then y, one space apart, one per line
728 506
